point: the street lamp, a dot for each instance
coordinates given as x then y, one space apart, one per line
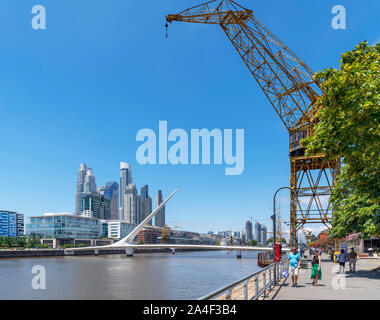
274 225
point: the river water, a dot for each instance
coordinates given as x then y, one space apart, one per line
184 275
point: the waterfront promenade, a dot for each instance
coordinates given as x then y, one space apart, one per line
363 285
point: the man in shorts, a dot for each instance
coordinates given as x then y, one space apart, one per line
293 265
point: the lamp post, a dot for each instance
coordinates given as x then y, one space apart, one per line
274 224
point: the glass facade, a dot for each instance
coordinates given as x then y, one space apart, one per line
63 226
96 206
8 224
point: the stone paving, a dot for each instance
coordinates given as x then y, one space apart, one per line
363 285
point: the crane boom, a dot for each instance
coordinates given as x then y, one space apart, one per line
289 85
284 78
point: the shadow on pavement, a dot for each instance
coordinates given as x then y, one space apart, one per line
363 274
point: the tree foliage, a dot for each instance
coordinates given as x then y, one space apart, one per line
349 126
165 236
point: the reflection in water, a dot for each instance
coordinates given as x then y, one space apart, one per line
145 276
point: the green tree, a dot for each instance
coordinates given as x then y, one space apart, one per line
253 243
349 126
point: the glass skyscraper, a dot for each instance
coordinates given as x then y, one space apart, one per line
111 191
85 185
146 203
160 216
258 232
125 180
132 203
248 230
96 205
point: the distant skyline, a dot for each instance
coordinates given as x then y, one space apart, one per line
79 91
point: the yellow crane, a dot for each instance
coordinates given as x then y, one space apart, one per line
288 84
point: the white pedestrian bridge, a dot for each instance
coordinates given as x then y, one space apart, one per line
129 247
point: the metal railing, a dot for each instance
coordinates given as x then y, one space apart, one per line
251 287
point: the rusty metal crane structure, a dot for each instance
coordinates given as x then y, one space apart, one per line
289 86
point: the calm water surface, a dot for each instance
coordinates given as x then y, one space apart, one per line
145 276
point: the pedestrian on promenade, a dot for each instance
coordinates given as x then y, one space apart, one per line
301 252
316 264
293 265
342 259
352 256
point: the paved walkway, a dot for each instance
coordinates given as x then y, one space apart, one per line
363 285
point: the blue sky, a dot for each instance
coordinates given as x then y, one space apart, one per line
80 91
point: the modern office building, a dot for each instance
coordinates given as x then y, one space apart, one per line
125 180
264 235
248 231
63 226
160 216
146 203
20 224
111 192
11 224
85 185
96 205
80 186
258 232
119 229
131 213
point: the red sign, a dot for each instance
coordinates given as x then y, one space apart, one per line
277 252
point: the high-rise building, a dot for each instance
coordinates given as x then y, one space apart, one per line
89 182
248 230
111 191
11 224
85 185
146 203
258 232
160 216
131 212
96 206
20 224
264 235
125 180
80 186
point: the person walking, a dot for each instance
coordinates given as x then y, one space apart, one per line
352 256
293 265
316 264
342 259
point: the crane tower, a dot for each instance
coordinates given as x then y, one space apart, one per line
289 85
